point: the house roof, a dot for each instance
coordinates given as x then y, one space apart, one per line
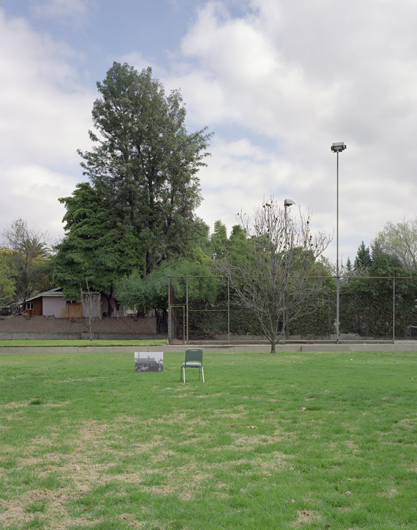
57 292
53 292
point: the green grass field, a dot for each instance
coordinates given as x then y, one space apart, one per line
308 441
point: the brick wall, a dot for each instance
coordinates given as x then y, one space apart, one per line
40 324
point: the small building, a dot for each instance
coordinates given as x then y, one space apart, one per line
53 303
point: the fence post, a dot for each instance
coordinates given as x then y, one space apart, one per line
169 310
228 310
183 325
186 303
329 317
393 309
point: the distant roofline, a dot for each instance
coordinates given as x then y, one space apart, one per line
57 292
53 292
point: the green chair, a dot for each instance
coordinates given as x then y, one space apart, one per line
193 359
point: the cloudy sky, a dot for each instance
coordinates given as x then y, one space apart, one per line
277 81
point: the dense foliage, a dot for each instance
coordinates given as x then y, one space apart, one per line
151 291
94 250
368 295
145 164
7 282
138 209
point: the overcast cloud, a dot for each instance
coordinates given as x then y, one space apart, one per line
278 81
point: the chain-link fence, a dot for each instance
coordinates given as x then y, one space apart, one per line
370 308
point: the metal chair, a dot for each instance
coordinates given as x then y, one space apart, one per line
193 359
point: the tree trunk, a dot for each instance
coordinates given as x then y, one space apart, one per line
108 297
273 342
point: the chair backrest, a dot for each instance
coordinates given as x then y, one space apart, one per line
194 355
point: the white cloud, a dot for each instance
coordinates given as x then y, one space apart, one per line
237 177
304 75
279 83
32 194
45 118
140 62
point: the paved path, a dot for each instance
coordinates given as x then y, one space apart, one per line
231 348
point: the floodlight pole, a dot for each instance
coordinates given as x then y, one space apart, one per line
337 148
285 327
337 258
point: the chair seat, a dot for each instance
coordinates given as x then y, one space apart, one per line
193 359
191 365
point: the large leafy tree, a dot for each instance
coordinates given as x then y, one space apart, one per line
151 291
144 163
7 283
96 250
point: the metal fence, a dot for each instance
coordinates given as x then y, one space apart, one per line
371 309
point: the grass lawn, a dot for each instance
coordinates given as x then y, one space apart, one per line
323 441
80 343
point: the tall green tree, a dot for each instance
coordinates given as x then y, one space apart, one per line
219 242
363 258
96 250
144 163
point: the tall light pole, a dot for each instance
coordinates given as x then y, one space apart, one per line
337 148
287 204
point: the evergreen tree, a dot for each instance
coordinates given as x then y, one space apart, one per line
349 265
363 258
144 162
95 249
219 240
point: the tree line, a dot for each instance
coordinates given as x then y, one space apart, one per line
132 224
382 281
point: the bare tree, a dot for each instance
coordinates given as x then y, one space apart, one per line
28 258
400 240
90 301
279 278
19 237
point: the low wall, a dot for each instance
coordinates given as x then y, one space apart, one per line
43 328
260 338
79 336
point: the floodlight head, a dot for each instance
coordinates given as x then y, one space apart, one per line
288 202
338 147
